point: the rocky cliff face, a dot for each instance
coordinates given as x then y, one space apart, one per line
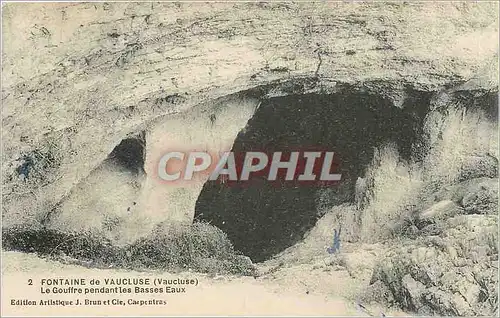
94 93
79 79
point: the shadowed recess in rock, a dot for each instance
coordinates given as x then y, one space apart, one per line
130 153
262 219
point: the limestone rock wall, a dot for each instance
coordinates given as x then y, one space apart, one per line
78 78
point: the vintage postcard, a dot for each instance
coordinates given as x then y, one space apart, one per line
246 158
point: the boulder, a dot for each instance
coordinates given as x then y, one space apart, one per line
451 274
440 210
481 197
479 166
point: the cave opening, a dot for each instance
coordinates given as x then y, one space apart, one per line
130 153
261 219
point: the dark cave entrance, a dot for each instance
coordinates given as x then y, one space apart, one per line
130 153
261 219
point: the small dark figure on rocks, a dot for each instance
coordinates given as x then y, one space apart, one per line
336 242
